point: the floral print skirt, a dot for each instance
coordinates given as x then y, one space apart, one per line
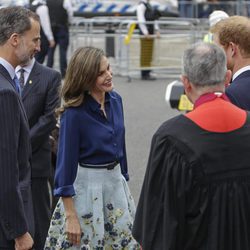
105 210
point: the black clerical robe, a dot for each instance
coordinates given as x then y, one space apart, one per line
196 191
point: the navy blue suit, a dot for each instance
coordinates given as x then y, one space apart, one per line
239 90
16 210
40 97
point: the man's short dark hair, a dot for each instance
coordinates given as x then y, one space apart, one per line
15 20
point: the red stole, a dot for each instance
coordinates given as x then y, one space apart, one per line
214 112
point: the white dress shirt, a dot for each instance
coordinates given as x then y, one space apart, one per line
240 71
27 69
43 12
141 8
67 5
8 67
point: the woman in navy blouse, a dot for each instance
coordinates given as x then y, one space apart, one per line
96 209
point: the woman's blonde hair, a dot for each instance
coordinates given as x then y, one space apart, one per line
81 76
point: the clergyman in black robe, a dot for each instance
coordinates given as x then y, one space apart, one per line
196 190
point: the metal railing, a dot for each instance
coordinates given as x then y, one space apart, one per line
176 35
110 33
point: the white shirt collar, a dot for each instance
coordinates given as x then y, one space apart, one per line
8 67
35 2
27 67
237 73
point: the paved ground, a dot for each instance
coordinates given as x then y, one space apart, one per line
145 109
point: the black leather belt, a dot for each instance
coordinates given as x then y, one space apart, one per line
108 166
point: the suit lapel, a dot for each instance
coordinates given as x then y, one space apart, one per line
6 74
32 81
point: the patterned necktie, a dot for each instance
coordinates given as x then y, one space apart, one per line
17 85
21 78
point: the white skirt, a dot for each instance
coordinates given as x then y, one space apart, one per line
105 210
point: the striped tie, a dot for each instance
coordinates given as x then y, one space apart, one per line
21 78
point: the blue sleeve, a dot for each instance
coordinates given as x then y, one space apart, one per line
68 154
123 161
124 166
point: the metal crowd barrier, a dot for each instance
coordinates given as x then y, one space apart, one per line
176 35
110 34
97 32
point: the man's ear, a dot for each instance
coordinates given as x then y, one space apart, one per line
228 77
14 39
186 84
233 49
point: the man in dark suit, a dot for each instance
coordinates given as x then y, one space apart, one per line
40 96
19 40
233 34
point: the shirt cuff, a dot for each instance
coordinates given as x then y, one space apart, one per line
65 191
126 176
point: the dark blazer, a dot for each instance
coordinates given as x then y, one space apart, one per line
40 98
16 211
239 90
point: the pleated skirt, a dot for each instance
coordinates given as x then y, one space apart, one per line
105 210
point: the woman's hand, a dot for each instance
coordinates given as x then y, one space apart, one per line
73 230
72 227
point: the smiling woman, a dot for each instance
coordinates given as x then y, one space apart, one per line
95 208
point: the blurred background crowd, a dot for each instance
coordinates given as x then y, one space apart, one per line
181 8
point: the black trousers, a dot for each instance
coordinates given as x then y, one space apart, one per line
61 36
42 210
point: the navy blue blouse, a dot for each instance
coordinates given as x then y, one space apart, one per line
87 136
